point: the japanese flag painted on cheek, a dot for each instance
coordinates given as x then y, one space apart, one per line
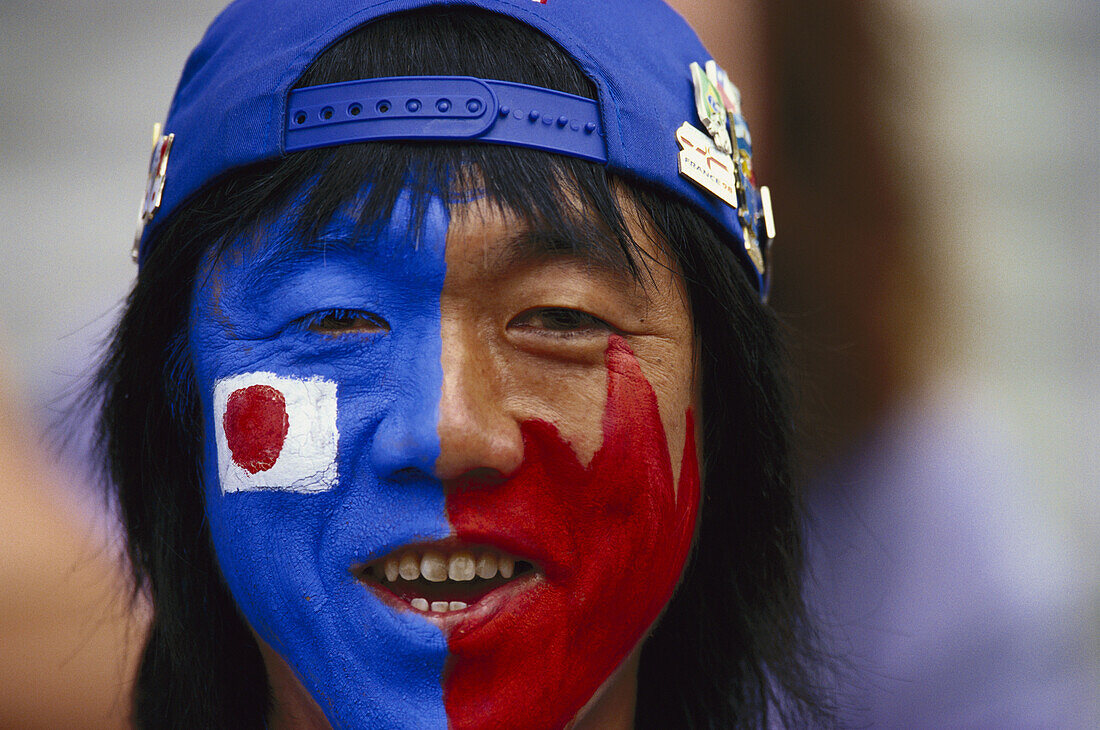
320 367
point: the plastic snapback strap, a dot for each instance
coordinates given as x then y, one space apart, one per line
459 108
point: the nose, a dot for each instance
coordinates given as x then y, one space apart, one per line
478 438
405 445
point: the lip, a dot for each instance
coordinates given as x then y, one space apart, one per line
461 620
471 618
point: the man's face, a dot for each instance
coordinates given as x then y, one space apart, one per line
451 478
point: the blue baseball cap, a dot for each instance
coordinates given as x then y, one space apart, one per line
665 115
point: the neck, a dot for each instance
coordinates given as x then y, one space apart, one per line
612 707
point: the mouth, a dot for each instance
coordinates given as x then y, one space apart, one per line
444 577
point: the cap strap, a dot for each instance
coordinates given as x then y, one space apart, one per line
458 108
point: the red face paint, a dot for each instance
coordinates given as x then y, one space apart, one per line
612 539
256 425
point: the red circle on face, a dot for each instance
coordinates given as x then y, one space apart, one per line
255 425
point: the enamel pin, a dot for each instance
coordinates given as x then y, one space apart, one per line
731 95
705 158
742 155
706 165
711 109
154 186
723 166
731 99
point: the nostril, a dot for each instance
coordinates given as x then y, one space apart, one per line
477 478
479 442
405 445
407 474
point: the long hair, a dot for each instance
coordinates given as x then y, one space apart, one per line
732 648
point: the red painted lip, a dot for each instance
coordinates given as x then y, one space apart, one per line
473 617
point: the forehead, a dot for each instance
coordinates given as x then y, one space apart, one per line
470 231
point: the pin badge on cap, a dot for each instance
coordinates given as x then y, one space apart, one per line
731 95
712 110
705 158
154 186
711 161
731 99
705 165
751 204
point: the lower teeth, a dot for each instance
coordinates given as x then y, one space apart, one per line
421 604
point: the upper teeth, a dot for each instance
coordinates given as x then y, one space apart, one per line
435 566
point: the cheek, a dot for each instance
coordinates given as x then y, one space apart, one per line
303 438
570 397
275 432
288 524
271 467
611 537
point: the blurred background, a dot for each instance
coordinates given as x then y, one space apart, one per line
934 170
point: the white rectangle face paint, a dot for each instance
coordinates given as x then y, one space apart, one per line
275 432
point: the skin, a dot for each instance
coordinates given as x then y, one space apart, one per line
611 708
505 358
536 350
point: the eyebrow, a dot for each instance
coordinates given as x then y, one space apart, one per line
278 261
595 248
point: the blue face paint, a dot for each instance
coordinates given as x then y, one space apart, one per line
353 487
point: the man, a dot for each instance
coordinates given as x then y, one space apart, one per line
433 301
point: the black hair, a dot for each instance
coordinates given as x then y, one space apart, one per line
732 649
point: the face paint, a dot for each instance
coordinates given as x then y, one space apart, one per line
611 539
275 432
345 478
255 426
319 461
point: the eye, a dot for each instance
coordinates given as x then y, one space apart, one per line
561 322
339 321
